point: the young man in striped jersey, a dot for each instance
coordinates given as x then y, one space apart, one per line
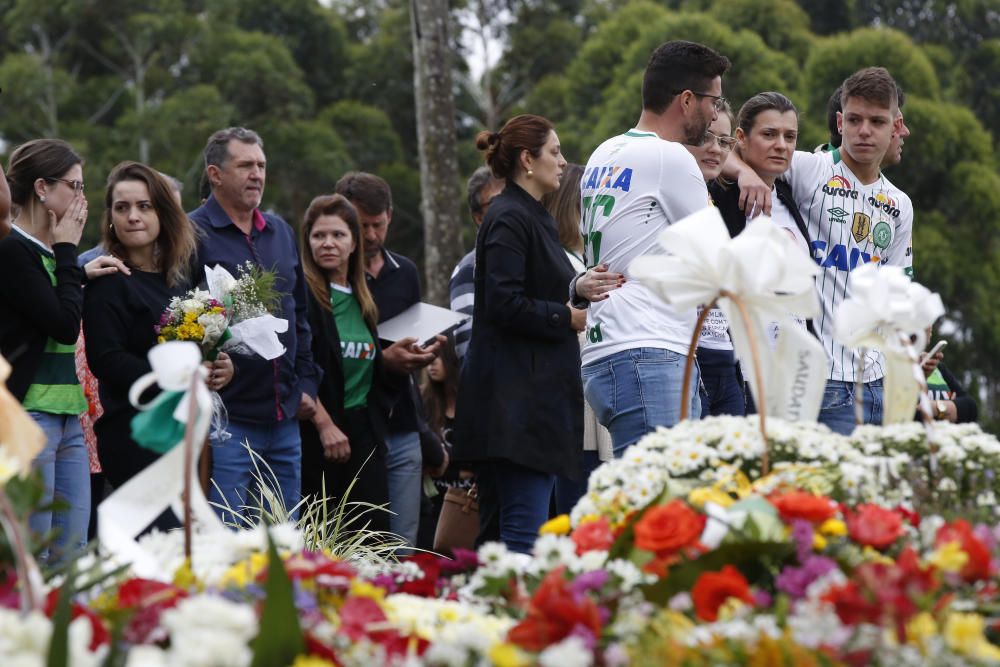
855 215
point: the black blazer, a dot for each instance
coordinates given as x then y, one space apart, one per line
32 310
520 398
327 355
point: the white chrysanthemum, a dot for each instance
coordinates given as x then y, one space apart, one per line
210 631
554 550
570 652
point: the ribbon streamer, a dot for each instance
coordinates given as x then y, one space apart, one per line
760 272
886 308
136 504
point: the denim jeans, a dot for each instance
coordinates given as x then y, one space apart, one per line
277 445
65 471
405 465
524 495
634 391
837 410
722 387
569 491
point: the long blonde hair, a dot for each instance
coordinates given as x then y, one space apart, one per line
316 278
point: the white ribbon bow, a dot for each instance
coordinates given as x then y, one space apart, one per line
771 277
138 502
884 310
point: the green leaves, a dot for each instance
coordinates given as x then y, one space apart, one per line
280 638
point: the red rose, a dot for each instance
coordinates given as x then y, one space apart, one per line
669 528
874 526
356 614
426 586
554 612
806 506
712 589
99 634
978 566
593 536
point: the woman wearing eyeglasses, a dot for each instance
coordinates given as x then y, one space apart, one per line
722 386
41 298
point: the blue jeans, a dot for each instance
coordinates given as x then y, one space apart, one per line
233 484
569 491
65 471
837 410
722 387
405 466
634 391
524 496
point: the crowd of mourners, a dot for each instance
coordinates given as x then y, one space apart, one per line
565 362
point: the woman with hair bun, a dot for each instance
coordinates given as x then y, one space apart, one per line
520 403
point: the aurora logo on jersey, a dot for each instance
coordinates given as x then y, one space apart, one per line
840 257
355 350
608 178
838 186
885 203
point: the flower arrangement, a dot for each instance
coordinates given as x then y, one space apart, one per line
195 317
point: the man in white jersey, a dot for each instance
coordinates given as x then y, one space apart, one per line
634 186
854 215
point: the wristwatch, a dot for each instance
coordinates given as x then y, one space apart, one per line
940 410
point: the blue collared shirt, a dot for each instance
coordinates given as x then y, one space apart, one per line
261 391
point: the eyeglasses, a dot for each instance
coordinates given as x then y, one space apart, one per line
718 101
76 185
725 143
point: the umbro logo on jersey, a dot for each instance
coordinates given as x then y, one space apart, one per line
884 203
838 186
837 214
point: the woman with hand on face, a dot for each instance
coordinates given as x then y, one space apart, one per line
520 403
41 300
722 386
345 439
145 226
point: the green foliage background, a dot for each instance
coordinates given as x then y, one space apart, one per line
329 85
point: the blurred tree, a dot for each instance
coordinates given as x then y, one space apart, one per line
782 24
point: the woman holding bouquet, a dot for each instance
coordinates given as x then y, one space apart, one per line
41 297
144 225
345 439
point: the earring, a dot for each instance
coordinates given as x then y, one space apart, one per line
530 173
111 225
42 199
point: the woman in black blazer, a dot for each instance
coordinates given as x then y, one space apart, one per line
520 407
345 438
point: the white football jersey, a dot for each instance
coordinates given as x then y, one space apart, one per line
634 186
850 224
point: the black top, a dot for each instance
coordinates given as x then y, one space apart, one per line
31 309
396 288
119 313
965 405
520 397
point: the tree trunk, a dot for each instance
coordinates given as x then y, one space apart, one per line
439 178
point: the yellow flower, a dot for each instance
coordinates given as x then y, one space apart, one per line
557 526
363 589
190 317
732 608
964 634
819 542
504 654
184 576
921 628
874 556
833 528
311 661
244 572
706 494
949 557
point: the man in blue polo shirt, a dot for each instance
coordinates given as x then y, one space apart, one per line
264 397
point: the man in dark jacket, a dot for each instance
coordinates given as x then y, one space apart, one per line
265 397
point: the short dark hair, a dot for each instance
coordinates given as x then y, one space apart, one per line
480 178
760 103
47 159
872 84
833 107
368 192
525 132
217 149
678 66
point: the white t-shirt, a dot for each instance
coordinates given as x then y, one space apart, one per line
634 186
850 224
